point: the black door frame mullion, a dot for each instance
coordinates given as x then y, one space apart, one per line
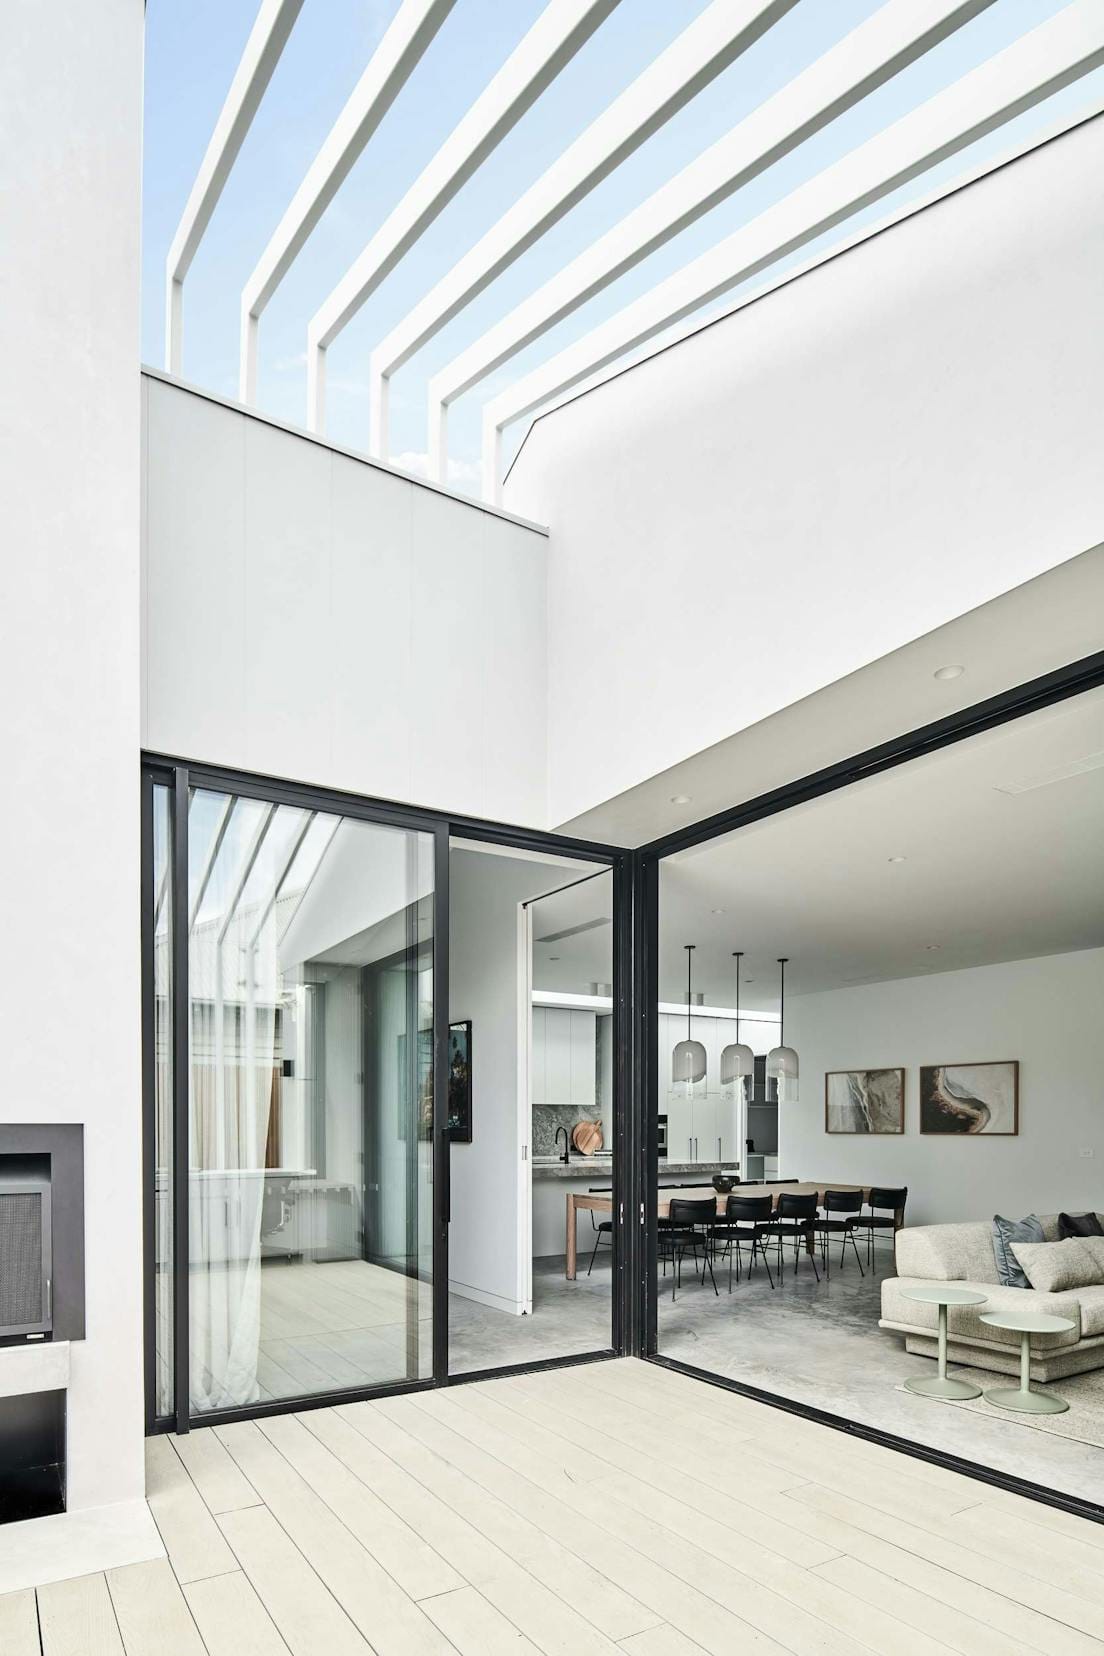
181 1096
440 1149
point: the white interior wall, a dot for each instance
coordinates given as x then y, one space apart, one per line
881 445
484 893
310 615
1043 1012
70 126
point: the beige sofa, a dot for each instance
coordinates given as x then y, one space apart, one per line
963 1254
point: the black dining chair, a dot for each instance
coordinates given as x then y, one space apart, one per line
886 1216
839 1211
688 1228
795 1218
746 1219
602 1228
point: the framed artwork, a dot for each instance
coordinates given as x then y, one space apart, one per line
864 1101
460 1083
970 1098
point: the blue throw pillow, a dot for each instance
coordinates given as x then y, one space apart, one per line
1006 1231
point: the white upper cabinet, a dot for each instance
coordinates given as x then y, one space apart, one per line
565 1058
584 1058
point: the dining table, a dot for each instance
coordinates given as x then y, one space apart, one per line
601 1201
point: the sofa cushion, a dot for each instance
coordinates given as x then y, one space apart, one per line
1079 1224
964 1321
1092 1310
1007 1231
947 1253
1055 1267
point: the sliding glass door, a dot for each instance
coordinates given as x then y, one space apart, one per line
310 1102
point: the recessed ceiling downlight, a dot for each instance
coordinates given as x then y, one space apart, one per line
680 799
952 671
895 859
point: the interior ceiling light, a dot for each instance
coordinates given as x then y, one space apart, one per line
932 946
680 799
737 1060
688 1058
952 671
718 911
896 859
782 1064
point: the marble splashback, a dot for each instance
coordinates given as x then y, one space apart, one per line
546 1119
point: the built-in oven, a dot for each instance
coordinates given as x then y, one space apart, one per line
661 1135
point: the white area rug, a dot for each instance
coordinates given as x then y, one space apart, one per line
1083 1421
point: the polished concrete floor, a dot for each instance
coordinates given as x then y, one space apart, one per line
569 1319
820 1344
612 1509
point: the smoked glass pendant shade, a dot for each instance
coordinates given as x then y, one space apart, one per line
782 1065
737 1059
688 1059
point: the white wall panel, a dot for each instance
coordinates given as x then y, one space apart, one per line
318 617
1043 1012
70 123
902 434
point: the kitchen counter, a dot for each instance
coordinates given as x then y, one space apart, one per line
582 1167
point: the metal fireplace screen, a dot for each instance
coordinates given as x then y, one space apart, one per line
24 1258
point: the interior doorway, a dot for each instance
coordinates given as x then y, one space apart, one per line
531 1107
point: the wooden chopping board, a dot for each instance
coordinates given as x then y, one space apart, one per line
586 1136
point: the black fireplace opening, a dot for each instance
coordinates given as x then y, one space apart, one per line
32 1456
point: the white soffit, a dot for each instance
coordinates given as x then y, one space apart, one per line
1052 56
561 29
267 39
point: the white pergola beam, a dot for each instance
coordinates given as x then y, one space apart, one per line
879 48
1053 55
707 46
559 32
403 45
267 39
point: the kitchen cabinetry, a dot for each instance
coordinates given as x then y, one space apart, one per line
564 1058
706 1128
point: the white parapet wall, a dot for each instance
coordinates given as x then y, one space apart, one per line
310 614
70 131
811 483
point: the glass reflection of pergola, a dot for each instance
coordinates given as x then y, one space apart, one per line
1029 70
252 917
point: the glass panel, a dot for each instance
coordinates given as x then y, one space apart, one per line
162 1103
311 1087
530 1083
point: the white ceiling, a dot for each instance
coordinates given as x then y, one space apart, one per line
988 875
1037 627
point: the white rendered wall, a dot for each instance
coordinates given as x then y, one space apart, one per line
897 437
485 1228
1044 1012
70 124
316 617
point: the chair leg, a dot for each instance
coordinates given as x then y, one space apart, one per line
850 1236
594 1255
763 1256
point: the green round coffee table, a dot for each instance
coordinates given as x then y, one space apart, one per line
942 1384
1026 1323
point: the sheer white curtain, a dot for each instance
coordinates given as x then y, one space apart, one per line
235 1092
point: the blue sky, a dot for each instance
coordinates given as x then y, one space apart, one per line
193 47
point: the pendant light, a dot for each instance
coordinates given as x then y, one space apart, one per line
688 1058
782 1060
737 1059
